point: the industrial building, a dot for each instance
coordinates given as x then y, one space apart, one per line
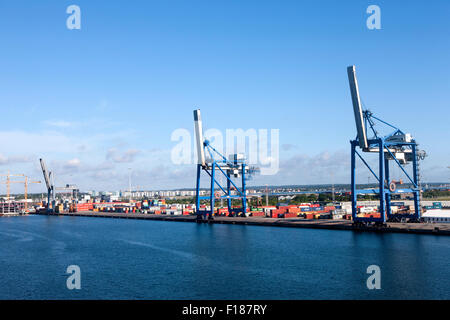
437 216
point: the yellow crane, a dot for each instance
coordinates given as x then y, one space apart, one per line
25 182
8 182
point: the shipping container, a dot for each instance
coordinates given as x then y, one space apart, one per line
290 215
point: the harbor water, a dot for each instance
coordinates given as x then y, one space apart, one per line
136 259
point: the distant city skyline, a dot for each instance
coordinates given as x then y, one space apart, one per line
96 101
191 191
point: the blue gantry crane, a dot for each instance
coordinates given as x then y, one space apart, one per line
397 147
214 164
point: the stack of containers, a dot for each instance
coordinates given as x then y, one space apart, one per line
221 211
268 211
85 206
277 213
309 215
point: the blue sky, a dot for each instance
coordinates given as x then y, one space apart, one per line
97 101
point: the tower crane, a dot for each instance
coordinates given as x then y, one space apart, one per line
25 182
8 182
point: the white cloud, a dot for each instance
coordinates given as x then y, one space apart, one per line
310 169
80 158
122 157
32 142
288 147
73 163
59 123
4 160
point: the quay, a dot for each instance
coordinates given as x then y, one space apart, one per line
412 228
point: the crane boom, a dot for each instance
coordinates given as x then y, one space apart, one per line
357 108
46 175
199 137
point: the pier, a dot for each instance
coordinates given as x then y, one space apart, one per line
412 228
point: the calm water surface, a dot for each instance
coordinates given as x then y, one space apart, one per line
135 259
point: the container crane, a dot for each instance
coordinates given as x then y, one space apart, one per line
397 147
73 189
70 187
50 187
217 164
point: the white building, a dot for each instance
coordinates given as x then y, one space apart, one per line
437 216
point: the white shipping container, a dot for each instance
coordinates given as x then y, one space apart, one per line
367 209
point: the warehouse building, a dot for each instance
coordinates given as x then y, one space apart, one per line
437 216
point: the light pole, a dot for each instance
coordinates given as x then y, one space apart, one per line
332 187
448 167
267 195
129 184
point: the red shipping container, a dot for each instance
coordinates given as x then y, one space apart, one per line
85 206
290 215
275 212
